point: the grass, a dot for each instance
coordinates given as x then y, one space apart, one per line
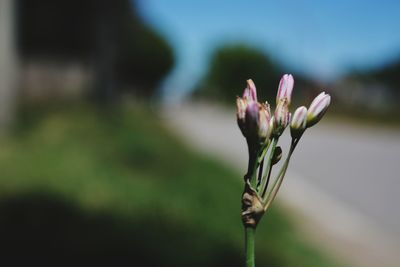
117 189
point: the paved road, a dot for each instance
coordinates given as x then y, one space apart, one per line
344 180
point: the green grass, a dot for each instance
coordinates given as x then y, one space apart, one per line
118 186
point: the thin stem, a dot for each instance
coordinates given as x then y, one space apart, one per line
249 242
253 177
252 164
261 159
278 181
264 151
276 186
269 166
255 162
266 184
260 173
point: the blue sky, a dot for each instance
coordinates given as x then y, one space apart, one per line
322 39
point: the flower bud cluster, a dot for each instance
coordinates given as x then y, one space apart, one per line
255 120
262 130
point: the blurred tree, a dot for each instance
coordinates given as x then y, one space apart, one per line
144 58
390 75
111 37
387 74
231 66
62 29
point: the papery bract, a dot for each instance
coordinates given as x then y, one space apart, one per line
241 105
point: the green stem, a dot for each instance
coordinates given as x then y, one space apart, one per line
260 173
260 162
278 181
264 151
265 179
254 163
249 240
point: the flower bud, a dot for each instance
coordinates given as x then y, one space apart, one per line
272 124
264 118
318 108
281 116
250 92
298 123
277 155
285 88
252 119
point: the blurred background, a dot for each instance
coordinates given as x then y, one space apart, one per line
119 146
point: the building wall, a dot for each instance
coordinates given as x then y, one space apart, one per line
53 80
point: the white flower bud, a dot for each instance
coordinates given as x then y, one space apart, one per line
285 88
299 121
264 118
318 108
281 116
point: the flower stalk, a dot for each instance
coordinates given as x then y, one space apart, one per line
262 132
250 244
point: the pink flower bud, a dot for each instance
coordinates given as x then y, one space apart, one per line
247 109
254 119
318 108
298 123
250 92
251 118
282 116
285 88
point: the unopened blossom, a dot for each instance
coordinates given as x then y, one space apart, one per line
299 121
249 97
264 119
318 108
252 119
285 88
250 92
281 116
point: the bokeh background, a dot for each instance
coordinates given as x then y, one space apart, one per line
119 146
